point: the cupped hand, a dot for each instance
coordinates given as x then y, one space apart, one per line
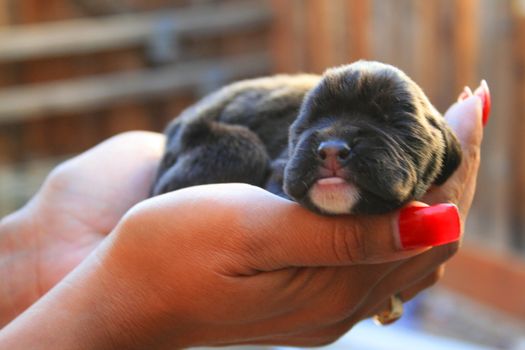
265 270
466 118
258 269
79 203
234 264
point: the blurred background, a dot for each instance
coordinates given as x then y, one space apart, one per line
74 72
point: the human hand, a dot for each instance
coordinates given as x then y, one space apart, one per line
259 269
80 202
467 118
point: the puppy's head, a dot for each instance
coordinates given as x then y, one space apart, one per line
367 140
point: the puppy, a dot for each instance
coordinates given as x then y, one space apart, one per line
362 138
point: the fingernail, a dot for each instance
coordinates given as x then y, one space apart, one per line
466 93
483 92
428 226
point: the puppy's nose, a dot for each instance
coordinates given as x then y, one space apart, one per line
333 150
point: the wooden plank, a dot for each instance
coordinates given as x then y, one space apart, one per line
61 68
424 52
282 38
88 35
488 221
12 147
39 71
401 35
90 129
5 148
128 116
36 138
173 107
128 59
18 183
37 11
244 41
381 23
444 50
319 50
290 38
20 103
338 40
301 40
4 13
358 29
62 135
517 141
409 31
489 278
465 43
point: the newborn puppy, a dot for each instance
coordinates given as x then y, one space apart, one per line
362 138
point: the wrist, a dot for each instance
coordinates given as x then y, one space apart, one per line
75 314
103 304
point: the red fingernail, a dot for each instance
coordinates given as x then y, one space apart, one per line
483 92
428 226
466 93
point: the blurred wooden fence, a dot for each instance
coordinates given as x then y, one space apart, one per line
73 72
125 71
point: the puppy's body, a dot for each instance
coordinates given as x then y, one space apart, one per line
237 134
362 138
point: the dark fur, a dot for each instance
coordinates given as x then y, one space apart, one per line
266 132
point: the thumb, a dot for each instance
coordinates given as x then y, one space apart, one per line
269 233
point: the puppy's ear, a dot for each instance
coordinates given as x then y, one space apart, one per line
172 132
173 136
182 135
452 155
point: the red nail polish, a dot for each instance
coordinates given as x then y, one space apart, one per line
484 93
428 226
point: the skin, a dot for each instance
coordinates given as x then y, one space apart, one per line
258 270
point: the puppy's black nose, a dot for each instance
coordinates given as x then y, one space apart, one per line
333 149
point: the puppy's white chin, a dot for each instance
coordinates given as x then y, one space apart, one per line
334 195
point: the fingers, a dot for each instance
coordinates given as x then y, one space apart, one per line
313 297
271 233
465 118
121 154
109 178
313 324
309 240
418 272
411 291
329 315
135 154
428 281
